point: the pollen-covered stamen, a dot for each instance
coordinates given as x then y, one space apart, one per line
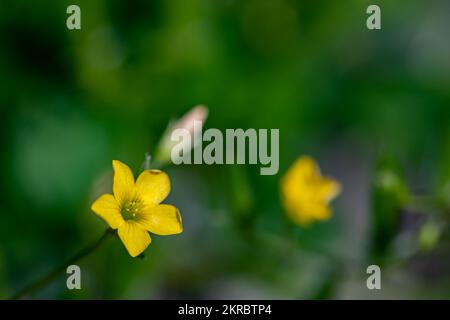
130 209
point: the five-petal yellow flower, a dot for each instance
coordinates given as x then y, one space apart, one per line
135 207
306 193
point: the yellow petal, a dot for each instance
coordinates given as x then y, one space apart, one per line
306 213
134 237
306 193
153 186
107 208
329 189
123 182
318 211
303 168
163 219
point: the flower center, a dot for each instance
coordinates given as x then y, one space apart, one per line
130 209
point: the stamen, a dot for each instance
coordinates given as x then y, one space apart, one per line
130 209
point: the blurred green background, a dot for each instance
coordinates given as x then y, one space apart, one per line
372 107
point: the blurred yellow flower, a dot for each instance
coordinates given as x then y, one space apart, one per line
306 193
135 207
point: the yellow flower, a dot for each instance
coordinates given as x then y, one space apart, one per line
306 193
135 207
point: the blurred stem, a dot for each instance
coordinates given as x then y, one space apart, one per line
425 205
52 275
153 163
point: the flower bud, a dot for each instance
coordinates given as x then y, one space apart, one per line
196 115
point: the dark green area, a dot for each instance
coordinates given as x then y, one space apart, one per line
72 101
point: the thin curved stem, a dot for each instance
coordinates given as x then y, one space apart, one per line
52 275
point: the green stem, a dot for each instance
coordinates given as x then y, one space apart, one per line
52 275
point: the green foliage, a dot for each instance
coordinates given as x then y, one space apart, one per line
389 195
71 101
